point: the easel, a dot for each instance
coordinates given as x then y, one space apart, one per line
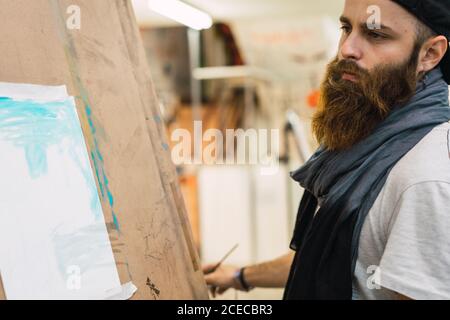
103 65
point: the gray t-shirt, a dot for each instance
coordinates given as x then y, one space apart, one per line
405 241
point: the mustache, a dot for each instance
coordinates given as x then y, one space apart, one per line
338 68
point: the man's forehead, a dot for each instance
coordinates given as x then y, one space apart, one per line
390 14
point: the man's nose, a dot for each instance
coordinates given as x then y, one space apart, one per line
351 48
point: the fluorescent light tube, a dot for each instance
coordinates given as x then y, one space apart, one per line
182 13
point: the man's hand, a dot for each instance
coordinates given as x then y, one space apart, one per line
269 274
221 279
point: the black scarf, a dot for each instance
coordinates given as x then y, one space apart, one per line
345 185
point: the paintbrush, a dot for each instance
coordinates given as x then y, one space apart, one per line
213 288
224 258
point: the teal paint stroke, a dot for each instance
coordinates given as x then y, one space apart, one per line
35 126
98 161
115 221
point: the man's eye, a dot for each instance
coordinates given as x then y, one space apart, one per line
375 35
345 29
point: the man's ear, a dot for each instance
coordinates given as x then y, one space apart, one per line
432 52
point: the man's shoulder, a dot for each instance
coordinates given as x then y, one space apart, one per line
428 161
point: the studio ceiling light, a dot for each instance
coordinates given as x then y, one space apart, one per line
182 13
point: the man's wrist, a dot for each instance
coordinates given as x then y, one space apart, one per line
240 278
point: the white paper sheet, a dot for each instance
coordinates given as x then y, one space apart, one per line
53 240
124 293
22 91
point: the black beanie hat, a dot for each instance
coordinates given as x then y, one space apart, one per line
436 15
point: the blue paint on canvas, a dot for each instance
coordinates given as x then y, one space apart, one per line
35 126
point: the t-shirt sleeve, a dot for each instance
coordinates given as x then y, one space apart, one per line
416 260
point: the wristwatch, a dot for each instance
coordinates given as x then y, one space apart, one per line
239 276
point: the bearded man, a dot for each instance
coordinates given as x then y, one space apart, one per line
374 219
